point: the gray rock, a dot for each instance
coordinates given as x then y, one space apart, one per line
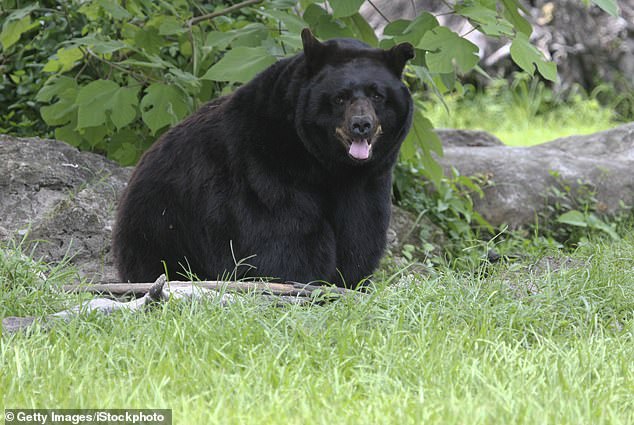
464 138
61 200
518 179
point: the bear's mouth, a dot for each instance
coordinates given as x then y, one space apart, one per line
358 148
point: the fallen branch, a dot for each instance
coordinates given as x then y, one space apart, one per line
162 291
289 289
197 19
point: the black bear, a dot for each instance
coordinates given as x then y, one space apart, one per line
291 172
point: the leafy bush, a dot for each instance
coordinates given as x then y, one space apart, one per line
110 76
576 210
447 202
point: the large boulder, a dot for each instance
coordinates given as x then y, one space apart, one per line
60 201
518 180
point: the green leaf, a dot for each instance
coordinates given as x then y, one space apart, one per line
448 80
126 154
396 27
293 23
99 46
12 30
487 20
60 87
162 105
133 62
527 57
91 10
343 8
95 136
411 31
422 136
361 29
447 50
68 134
185 79
291 42
423 74
250 35
124 147
283 4
596 223
101 99
157 61
240 64
65 60
92 100
610 6
511 12
323 24
59 113
18 14
64 89
149 40
171 25
419 26
124 106
219 39
115 10
573 218
17 23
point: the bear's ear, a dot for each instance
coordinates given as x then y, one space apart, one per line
314 50
397 56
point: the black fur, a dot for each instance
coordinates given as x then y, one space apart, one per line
262 173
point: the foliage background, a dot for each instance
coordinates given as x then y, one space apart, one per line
110 76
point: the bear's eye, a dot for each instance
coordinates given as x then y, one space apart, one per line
377 97
339 100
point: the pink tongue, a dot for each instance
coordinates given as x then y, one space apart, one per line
360 149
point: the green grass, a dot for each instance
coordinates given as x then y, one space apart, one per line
452 347
525 342
526 115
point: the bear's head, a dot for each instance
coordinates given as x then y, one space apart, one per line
353 109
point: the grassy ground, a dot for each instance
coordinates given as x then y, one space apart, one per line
526 115
547 340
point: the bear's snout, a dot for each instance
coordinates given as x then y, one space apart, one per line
361 126
361 120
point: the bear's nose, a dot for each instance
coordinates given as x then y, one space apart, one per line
361 126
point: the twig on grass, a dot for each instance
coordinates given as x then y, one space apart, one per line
290 289
163 291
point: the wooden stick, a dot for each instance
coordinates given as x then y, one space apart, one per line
287 289
229 9
279 293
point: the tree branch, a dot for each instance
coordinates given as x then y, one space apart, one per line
290 289
163 291
197 19
377 10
